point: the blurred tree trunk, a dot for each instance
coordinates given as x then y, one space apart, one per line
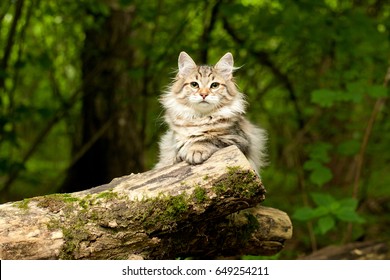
109 145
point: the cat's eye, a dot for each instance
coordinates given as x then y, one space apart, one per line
194 84
214 85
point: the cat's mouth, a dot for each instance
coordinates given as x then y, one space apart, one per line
204 103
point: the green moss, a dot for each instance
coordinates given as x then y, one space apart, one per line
73 230
176 205
67 198
73 235
163 210
22 204
244 229
56 202
253 223
108 195
53 225
233 169
199 194
84 203
239 183
220 188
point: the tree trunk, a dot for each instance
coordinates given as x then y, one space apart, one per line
110 145
206 211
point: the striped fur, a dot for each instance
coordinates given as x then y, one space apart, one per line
205 112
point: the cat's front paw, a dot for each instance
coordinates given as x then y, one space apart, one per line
197 157
199 154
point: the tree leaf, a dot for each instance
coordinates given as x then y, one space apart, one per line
351 203
311 165
325 224
321 175
355 92
320 211
325 97
319 151
325 200
377 91
304 214
348 214
348 147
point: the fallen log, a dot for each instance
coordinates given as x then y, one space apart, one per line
206 211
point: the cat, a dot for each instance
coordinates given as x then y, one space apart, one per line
205 112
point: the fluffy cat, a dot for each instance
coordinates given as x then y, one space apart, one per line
205 112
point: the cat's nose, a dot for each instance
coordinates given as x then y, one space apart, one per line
204 95
204 92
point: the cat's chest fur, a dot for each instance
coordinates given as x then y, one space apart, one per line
211 126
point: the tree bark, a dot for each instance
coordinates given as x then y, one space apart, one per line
203 211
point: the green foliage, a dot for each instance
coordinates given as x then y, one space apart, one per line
319 173
328 211
354 93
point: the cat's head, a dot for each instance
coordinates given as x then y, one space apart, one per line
205 89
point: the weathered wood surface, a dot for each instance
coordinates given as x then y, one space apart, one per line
206 211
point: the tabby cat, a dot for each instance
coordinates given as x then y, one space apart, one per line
205 112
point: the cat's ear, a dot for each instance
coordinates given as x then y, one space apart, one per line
186 64
225 66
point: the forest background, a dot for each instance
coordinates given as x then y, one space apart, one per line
80 82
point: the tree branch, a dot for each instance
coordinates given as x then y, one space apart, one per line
208 28
10 41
